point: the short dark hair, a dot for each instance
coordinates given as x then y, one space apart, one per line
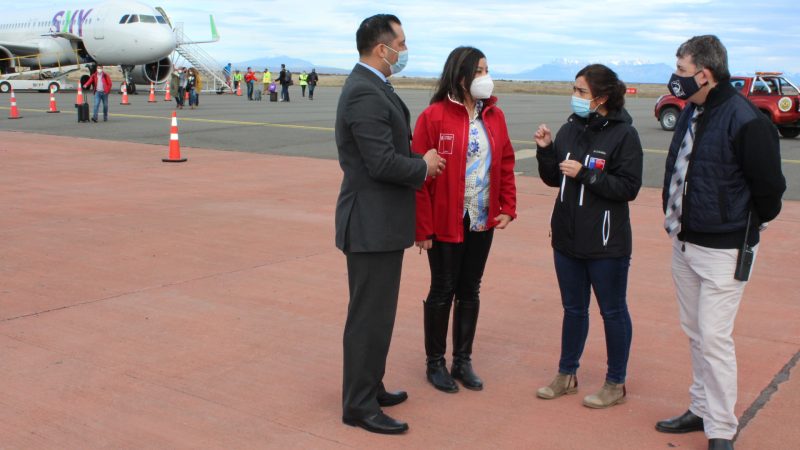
604 82
707 52
460 66
375 30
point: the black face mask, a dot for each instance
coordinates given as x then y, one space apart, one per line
683 87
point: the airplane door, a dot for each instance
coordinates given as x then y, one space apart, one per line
99 28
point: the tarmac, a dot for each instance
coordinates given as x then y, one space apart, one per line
201 305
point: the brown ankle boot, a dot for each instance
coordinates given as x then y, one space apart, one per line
609 395
562 384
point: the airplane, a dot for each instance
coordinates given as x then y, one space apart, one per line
124 33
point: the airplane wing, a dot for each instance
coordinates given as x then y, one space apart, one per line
67 36
21 48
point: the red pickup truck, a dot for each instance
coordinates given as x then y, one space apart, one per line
773 94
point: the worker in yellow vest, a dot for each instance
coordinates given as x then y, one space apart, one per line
303 82
266 79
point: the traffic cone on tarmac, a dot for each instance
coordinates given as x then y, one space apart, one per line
53 107
167 97
174 144
79 96
239 90
124 95
14 111
152 98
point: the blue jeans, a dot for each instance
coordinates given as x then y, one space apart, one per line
609 279
100 97
250 90
285 92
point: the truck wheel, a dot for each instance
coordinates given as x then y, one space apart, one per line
54 87
5 87
788 132
668 118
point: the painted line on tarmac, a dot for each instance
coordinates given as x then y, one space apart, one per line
527 153
190 119
531 153
521 154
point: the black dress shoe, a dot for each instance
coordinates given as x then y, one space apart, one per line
685 423
391 398
720 444
377 423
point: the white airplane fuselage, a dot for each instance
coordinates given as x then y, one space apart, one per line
106 34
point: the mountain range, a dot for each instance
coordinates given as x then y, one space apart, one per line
559 70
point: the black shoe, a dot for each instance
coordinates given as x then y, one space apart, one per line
720 444
685 423
94 119
462 371
440 378
377 423
386 398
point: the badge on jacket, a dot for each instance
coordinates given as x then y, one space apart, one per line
597 163
446 143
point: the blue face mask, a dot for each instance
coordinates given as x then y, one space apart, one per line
402 60
581 106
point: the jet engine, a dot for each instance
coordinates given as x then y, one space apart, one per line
6 63
154 72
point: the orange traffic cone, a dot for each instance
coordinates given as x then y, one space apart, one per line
174 144
53 107
152 98
167 97
124 95
239 90
79 96
14 111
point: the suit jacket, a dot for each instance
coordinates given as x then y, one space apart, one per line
376 205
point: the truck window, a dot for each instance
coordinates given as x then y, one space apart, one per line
786 88
737 84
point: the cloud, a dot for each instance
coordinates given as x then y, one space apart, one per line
515 35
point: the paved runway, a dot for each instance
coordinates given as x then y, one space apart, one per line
305 128
201 305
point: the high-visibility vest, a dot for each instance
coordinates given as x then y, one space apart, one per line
267 77
303 79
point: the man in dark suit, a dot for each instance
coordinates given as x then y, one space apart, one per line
375 216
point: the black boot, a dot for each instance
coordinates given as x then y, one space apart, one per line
436 318
465 320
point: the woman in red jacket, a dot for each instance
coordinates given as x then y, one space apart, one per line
458 211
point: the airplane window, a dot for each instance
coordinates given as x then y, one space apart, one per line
124 18
134 18
160 19
148 19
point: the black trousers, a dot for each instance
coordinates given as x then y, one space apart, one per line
374 280
457 268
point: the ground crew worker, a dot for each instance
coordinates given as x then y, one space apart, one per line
266 80
237 79
303 82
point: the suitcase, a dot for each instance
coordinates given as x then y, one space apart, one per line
273 96
83 112
257 96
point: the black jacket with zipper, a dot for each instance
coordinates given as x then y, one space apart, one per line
734 168
591 218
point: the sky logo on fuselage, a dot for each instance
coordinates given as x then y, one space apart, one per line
65 21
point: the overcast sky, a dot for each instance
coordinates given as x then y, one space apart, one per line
515 35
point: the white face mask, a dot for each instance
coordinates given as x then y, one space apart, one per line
482 87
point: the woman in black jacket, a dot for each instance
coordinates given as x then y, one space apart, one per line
596 160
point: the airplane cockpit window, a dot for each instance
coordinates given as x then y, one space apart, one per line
134 18
161 19
124 18
147 19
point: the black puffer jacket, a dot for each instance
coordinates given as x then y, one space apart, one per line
591 217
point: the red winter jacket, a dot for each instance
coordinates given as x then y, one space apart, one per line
92 82
250 76
440 202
